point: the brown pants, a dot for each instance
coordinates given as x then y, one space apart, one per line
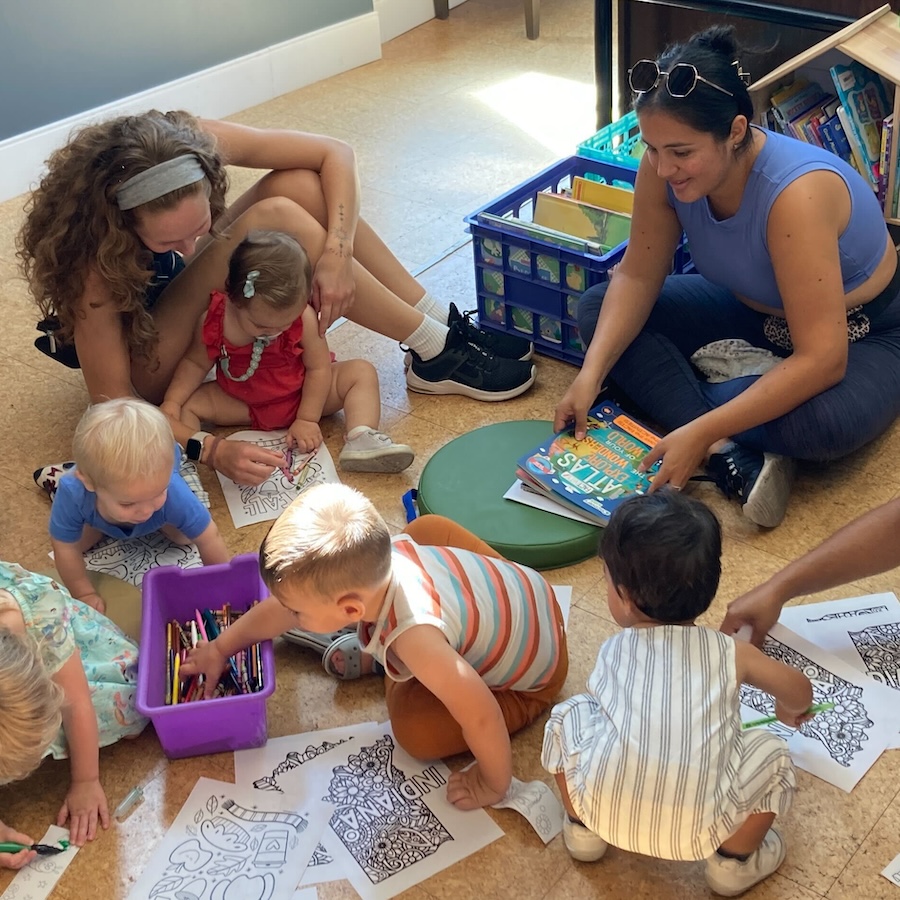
422 724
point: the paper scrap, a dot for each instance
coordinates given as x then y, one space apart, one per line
37 880
892 870
539 805
520 494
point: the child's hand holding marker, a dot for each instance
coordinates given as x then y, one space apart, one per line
207 661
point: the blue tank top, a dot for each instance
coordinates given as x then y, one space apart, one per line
733 253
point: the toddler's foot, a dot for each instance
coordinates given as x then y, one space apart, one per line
730 877
48 477
582 843
368 450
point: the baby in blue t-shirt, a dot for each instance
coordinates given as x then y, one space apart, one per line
125 484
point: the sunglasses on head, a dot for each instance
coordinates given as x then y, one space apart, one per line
681 79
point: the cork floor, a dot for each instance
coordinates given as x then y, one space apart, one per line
455 113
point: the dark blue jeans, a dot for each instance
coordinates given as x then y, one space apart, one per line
656 374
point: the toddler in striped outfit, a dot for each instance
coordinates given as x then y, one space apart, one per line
652 758
473 645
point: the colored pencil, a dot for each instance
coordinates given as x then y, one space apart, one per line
768 720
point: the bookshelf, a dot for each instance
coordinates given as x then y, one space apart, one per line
873 40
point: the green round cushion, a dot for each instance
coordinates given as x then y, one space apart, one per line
466 480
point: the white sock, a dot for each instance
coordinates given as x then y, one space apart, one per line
428 306
359 430
429 339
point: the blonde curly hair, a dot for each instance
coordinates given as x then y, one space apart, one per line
74 223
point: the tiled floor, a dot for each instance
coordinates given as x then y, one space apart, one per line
432 147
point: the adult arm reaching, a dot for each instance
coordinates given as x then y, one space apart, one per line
865 547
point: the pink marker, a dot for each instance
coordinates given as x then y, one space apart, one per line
200 626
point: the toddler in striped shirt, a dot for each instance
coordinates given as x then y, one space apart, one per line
653 758
472 644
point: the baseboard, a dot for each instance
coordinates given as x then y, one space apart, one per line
214 92
398 16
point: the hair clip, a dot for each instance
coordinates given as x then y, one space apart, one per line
249 289
741 72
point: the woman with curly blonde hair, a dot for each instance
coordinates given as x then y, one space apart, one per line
127 202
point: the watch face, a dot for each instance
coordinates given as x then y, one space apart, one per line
193 449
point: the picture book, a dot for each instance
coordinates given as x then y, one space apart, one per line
859 158
865 104
596 474
607 196
796 99
582 220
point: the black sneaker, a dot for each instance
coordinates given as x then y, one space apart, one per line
465 368
506 346
761 481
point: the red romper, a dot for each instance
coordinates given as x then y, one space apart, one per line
272 392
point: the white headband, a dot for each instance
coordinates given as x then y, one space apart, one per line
159 180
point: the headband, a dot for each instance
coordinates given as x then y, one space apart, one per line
159 180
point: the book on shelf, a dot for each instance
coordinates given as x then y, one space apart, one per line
884 161
835 140
582 220
793 101
607 196
859 160
594 475
865 105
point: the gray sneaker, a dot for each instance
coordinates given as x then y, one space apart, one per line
374 451
731 877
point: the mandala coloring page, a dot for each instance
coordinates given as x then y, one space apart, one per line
266 501
864 632
392 825
837 745
131 560
226 845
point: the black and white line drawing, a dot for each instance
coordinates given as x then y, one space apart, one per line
131 560
879 649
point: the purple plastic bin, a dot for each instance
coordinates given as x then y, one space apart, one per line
204 726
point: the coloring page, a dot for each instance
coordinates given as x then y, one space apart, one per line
838 745
864 632
519 493
564 599
306 893
131 560
37 880
392 825
231 843
268 500
891 871
537 803
297 766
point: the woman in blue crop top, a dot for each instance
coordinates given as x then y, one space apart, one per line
127 201
798 276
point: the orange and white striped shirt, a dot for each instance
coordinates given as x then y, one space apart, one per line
498 615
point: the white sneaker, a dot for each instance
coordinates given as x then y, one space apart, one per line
373 451
730 877
582 843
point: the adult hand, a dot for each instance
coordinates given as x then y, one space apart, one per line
23 857
304 436
574 406
333 288
84 806
681 452
468 790
206 660
246 463
758 608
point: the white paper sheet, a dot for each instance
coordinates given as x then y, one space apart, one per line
838 745
564 599
538 804
892 870
131 560
306 893
37 880
229 842
393 826
862 631
520 494
268 500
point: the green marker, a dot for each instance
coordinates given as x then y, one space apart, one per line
767 720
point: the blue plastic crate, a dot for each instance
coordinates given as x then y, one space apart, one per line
528 286
618 143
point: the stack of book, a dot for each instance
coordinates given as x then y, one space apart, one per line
592 217
588 478
854 122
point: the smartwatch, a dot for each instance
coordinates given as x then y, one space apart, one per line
194 447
